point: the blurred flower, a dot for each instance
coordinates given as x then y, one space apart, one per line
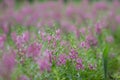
58 32
23 77
20 39
44 64
49 38
109 39
83 44
92 67
7 64
34 49
98 28
91 40
83 30
61 59
2 41
79 64
73 54
26 36
118 19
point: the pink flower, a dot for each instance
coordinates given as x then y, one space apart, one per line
79 64
34 49
44 64
26 36
2 41
91 40
61 59
109 39
83 30
77 32
9 3
58 34
73 54
101 6
92 67
98 28
9 61
83 44
48 55
70 11
23 77
49 38
20 39
7 65
117 18
43 35
5 27
14 36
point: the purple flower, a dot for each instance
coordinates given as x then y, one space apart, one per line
34 49
73 54
83 44
58 34
7 64
83 30
101 6
9 3
79 64
49 38
20 39
44 64
92 67
118 18
98 28
61 59
9 60
77 32
23 77
70 10
48 55
91 40
109 39
5 27
2 40
26 36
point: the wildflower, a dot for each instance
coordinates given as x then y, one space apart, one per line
58 34
48 55
91 40
98 28
79 64
26 36
2 40
109 39
77 32
82 30
7 65
61 59
20 40
117 19
70 11
44 64
43 34
73 54
33 50
23 77
92 67
5 27
49 38
83 44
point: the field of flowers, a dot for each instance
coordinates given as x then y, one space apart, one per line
57 40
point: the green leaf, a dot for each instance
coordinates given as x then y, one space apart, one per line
105 60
